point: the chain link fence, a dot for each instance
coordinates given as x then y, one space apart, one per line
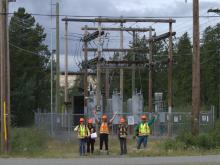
61 125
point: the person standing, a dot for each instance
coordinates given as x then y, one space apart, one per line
91 139
142 131
83 133
104 130
122 135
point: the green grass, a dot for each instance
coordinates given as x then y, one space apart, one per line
29 142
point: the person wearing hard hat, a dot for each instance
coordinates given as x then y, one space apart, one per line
104 130
142 131
122 135
92 137
83 133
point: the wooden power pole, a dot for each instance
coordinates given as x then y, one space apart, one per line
98 86
195 70
133 65
66 67
121 70
57 59
150 72
106 88
85 72
170 81
5 77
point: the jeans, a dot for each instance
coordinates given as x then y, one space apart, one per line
123 145
104 138
82 146
140 140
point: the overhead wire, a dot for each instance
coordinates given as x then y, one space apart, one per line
25 50
124 17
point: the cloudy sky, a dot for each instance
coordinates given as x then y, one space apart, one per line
139 8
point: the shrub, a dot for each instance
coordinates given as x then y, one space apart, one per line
217 125
216 138
27 140
188 139
203 141
206 141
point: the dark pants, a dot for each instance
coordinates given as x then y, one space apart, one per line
123 145
104 138
140 140
90 145
82 146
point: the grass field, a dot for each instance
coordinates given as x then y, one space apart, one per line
29 142
57 149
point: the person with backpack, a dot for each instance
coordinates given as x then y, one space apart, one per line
83 133
122 135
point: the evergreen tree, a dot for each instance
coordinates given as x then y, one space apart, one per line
210 67
30 76
183 71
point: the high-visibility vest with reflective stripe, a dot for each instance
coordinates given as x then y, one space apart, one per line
144 129
104 128
122 131
82 131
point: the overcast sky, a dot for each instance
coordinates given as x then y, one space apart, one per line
141 8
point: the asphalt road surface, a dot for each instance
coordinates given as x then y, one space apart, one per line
183 160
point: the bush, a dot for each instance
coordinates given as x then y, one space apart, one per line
203 141
216 138
206 141
27 140
188 139
217 125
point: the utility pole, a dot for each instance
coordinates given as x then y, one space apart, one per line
85 72
195 70
57 59
170 81
51 70
98 89
5 78
121 70
66 68
150 72
133 65
106 87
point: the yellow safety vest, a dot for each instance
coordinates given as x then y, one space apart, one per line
104 128
144 129
82 131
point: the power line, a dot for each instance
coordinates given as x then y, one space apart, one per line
25 50
96 16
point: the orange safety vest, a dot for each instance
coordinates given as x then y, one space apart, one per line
104 128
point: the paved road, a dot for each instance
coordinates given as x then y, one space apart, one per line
183 160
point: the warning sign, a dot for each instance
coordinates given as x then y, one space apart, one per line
130 120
